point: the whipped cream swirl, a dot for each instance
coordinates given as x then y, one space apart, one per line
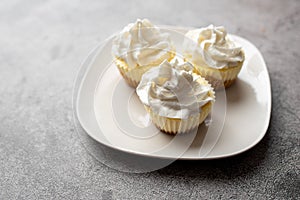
214 46
172 90
141 43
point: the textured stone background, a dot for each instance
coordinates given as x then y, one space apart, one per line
42 44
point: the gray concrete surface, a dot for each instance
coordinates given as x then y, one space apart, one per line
42 44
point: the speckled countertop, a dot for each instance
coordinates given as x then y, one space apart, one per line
41 155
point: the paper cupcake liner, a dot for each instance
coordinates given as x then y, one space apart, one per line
218 83
218 78
134 75
131 76
179 126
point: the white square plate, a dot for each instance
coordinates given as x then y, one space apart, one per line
110 112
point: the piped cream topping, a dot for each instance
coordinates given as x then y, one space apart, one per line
141 43
214 46
172 90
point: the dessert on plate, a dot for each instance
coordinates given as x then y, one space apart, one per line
215 55
177 99
139 47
